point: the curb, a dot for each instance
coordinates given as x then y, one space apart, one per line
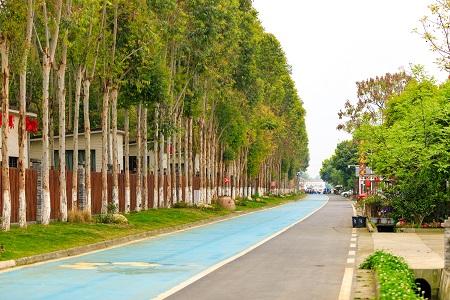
104 244
60 254
7 264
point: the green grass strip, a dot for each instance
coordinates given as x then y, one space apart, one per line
39 239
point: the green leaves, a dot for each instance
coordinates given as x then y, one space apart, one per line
336 170
394 276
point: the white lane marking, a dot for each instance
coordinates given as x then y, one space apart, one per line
352 245
353 239
354 230
354 235
224 262
140 240
346 286
351 253
351 260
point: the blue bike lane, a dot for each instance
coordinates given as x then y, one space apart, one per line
148 268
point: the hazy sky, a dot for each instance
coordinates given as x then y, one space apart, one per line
332 44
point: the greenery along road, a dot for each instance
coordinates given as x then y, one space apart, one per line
38 239
188 79
405 140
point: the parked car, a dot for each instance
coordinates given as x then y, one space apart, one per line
347 193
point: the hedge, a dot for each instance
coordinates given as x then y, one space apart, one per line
395 278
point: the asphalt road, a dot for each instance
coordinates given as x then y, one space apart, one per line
305 262
153 268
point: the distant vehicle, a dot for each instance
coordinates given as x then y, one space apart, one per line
337 189
347 193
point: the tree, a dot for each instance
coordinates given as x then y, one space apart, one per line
51 38
436 31
337 170
372 97
411 150
4 53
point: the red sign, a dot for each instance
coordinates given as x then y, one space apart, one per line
31 125
10 120
226 180
368 183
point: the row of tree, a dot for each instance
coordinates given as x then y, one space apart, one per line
399 125
191 79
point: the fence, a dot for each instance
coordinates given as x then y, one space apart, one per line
31 192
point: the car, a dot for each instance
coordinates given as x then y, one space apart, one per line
347 193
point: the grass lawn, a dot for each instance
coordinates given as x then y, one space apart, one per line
38 239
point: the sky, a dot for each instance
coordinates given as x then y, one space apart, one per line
332 44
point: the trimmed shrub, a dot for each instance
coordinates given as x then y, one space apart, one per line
395 278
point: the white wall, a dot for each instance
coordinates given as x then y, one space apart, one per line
96 144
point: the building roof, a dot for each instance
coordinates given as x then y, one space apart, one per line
38 138
16 112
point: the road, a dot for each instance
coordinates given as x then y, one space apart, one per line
305 262
307 259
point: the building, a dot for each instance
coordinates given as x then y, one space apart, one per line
96 149
13 139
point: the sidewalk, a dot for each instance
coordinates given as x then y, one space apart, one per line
420 250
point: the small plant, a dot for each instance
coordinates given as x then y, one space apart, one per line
79 216
112 216
2 248
180 205
394 276
112 208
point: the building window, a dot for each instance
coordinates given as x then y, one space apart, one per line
13 162
69 159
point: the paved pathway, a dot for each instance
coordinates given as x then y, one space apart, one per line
411 247
149 268
305 262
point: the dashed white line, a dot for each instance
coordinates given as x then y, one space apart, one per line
351 260
234 257
353 245
351 253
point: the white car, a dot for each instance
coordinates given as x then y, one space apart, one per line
347 193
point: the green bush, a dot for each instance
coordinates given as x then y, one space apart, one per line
394 276
180 205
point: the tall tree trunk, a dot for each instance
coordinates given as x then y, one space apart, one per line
214 167
186 161
47 62
174 159
4 52
105 149
208 164
156 182
179 182
145 161
138 159
190 175
221 171
45 142
87 147
161 170
115 150
22 116
62 131
76 117
127 162
169 170
201 162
